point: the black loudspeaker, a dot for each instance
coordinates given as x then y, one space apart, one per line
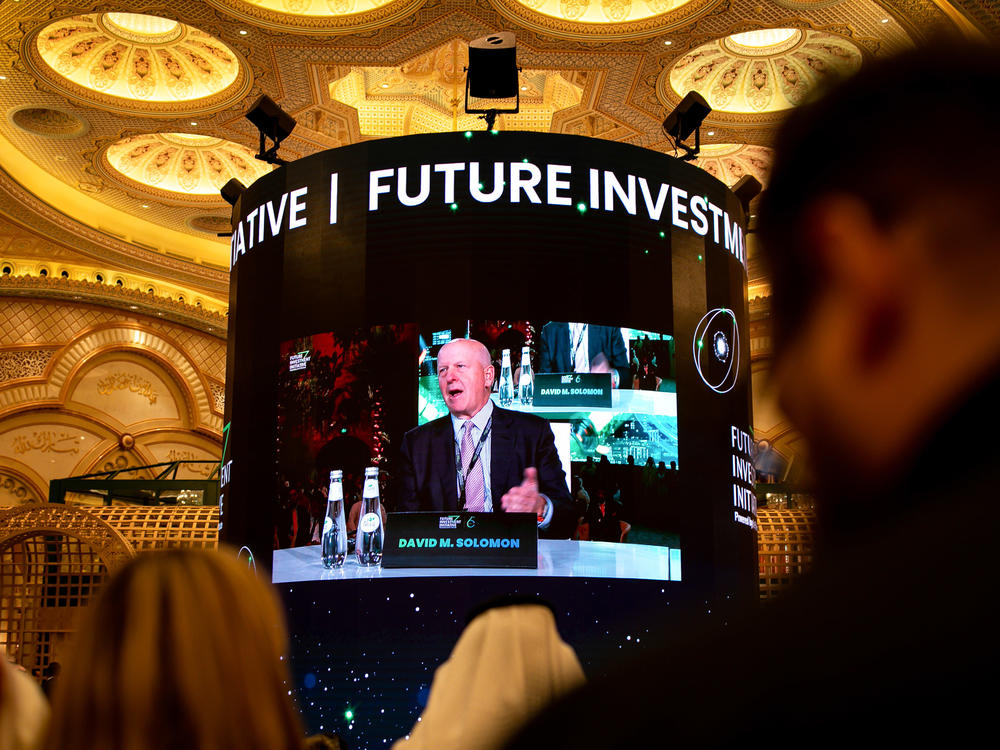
687 116
270 119
232 191
746 190
493 66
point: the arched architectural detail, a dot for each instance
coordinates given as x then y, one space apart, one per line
20 523
132 338
20 484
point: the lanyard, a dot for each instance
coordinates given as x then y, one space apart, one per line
475 457
576 346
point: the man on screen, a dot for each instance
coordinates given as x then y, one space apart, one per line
580 347
481 457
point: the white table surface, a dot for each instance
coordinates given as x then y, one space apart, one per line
556 558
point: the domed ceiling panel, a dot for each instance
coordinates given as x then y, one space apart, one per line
134 63
180 165
320 16
603 19
730 162
426 94
764 71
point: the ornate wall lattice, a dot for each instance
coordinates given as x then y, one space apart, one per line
23 363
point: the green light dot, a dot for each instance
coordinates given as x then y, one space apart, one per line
700 343
468 133
645 251
700 259
480 186
349 714
494 131
454 206
581 207
525 160
663 234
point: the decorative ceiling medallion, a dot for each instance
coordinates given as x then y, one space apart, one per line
137 64
729 162
760 72
763 43
320 16
180 165
48 122
210 224
603 20
427 95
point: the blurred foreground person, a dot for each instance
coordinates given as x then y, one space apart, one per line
508 664
880 227
23 708
181 651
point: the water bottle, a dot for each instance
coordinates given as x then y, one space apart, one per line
506 380
368 542
526 382
334 541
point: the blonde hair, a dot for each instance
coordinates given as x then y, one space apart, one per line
183 649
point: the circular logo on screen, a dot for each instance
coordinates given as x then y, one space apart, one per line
716 349
721 346
369 522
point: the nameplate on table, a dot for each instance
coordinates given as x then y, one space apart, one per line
573 389
460 540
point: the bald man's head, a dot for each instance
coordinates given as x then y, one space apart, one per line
465 375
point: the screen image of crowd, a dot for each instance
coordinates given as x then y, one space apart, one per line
345 402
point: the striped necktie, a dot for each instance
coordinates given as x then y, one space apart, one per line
475 484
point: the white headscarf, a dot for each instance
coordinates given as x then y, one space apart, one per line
508 664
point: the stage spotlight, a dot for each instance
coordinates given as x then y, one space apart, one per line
274 124
685 120
492 74
746 190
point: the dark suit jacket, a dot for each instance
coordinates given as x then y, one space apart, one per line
426 479
556 350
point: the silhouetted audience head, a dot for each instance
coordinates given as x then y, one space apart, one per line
879 228
183 649
23 709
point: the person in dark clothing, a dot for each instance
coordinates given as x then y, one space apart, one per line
885 270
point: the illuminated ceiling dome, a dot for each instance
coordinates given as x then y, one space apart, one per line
603 19
181 164
762 71
730 162
320 16
319 7
137 63
603 11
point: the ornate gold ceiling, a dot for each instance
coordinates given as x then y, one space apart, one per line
762 71
320 16
604 19
91 95
730 162
427 95
136 63
182 165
